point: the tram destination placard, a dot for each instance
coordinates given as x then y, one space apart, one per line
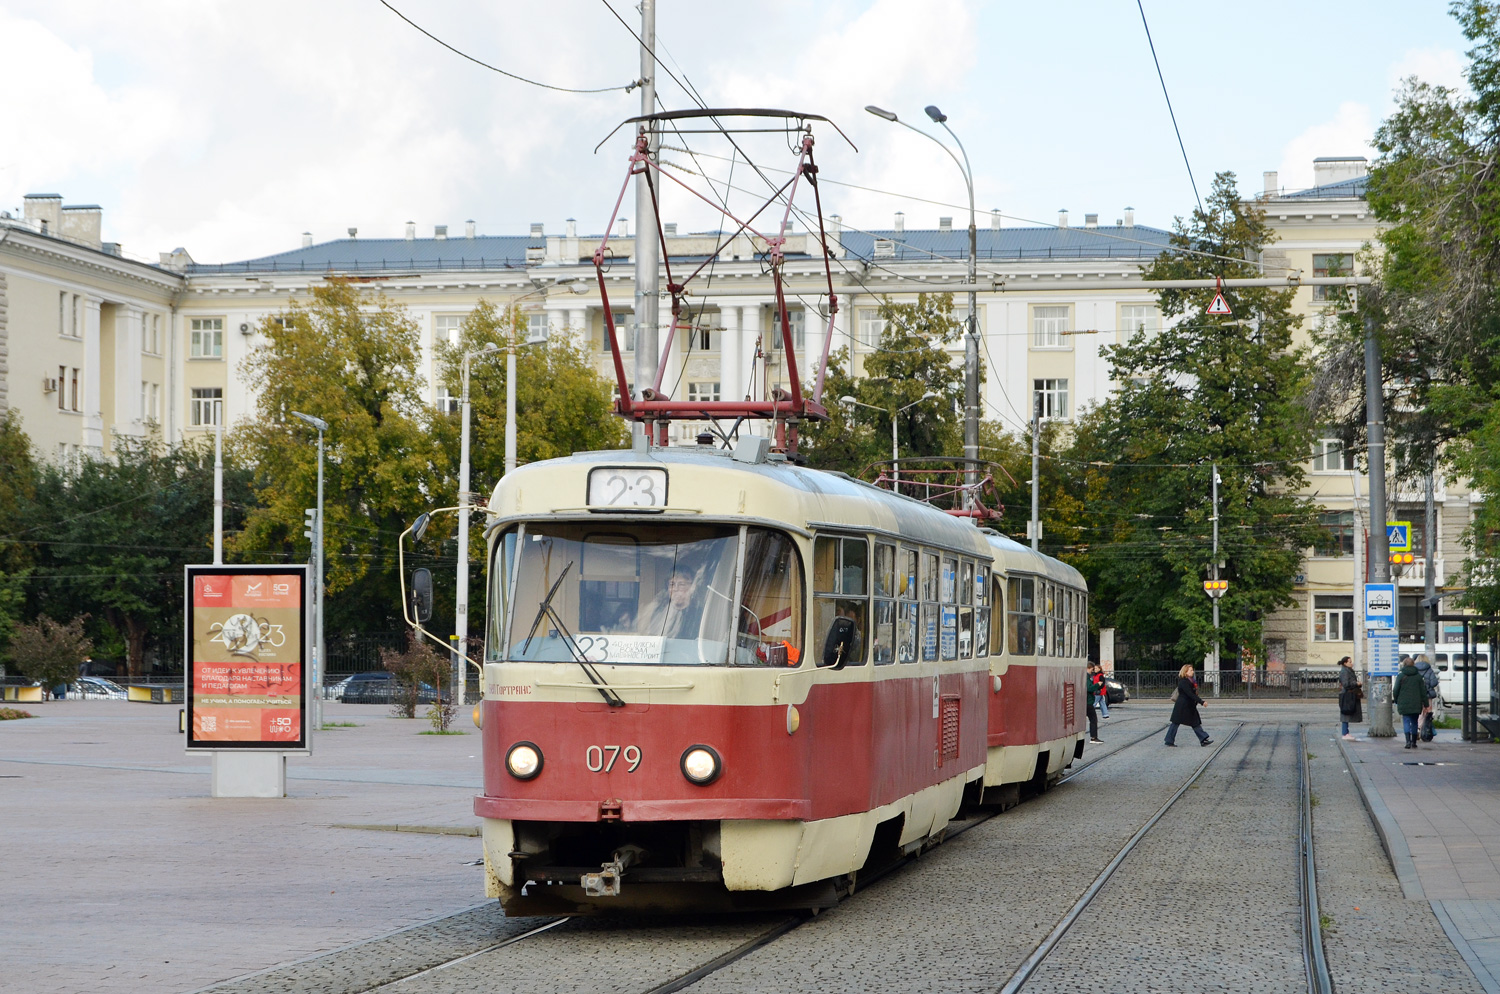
246 647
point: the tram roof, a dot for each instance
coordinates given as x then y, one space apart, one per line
821 498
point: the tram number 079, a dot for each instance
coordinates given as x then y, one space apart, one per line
602 759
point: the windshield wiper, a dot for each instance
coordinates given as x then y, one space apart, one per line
611 698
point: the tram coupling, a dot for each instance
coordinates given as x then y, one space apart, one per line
606 883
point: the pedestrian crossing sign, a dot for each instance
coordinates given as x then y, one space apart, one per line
1398 535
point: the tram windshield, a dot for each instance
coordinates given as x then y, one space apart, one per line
605 592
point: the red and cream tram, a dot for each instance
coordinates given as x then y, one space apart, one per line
711 678
715 678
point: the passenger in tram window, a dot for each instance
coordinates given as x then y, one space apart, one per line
676 611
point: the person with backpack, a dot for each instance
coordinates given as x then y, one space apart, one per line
1430 680
1350 694
1410 696
1098 689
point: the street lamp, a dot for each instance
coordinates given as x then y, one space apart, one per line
461 614
971 340
317 537
895 452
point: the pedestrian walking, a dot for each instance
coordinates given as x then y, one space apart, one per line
1099 689
1410 695
1185 710
1350 694
1430 681
1093 715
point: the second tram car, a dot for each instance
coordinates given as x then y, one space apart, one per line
720 680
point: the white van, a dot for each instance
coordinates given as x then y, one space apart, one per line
1453 668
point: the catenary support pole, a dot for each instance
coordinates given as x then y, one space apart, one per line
647 255
1380 552
218 484
1214 567
1429 550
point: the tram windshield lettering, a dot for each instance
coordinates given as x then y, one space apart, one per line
665 594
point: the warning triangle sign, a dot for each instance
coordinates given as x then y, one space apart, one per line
1219 306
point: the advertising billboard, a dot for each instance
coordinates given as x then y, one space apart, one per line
246 651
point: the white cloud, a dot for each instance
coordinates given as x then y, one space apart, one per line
1347 133
1443 66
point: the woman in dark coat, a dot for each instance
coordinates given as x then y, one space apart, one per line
1185 711
1349 696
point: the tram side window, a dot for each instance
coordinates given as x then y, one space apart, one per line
501 569
841 605
929 586
948 589
883 641
906 610
1041 617
770 622
1070 630
966 610
995 617
1022 622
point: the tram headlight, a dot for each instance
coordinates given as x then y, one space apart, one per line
524 760
701 764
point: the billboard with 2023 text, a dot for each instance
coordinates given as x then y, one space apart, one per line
246 652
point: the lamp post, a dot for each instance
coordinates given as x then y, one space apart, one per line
461 614
319 662
971 339
895 451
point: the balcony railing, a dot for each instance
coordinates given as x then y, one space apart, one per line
1415 574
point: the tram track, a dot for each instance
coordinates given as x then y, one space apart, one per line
1316 973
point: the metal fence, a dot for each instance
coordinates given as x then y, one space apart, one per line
1308 682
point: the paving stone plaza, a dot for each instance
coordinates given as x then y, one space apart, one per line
124 875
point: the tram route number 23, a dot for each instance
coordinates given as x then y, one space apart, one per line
611 486
602 759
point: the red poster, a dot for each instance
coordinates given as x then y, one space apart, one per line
246 650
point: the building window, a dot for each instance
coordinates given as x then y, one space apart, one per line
1053 395
1339 540
1331 264
961 319
1048 324
536 326
151 334
154 408
703 391
76 331
73 390
206 338
208 406
145 396
446 403
445 328
1330 456
1333 618
701 338
871 327
624 330
62 388
1142 319
797 318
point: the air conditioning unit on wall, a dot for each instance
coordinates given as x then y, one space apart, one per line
49 384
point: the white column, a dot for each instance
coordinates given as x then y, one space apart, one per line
557 321
751 369
128 416
578 324
93 373
731 375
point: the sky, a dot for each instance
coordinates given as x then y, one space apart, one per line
230 128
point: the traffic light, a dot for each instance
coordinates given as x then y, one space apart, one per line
1403 558
310 523
1215 588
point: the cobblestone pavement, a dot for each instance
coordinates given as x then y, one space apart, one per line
1372 930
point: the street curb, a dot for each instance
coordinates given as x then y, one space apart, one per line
1476 965
1391 838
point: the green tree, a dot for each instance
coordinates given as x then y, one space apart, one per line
18 475
118 532
350 358
1060 505
910 361
1204 390
1435 188
48 651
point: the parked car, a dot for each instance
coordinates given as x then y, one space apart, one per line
380 687
1114 690
97 688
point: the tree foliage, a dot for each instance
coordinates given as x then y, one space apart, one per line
18 477
910 361
1436 188
48 651
1204 390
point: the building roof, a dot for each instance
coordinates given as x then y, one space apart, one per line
1345 189
489 253
347 255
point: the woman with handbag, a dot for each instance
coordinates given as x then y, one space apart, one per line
1350 694
1185 710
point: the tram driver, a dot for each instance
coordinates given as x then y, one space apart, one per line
677 610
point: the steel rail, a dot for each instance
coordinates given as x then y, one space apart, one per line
509 941
1318 979
1040 953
